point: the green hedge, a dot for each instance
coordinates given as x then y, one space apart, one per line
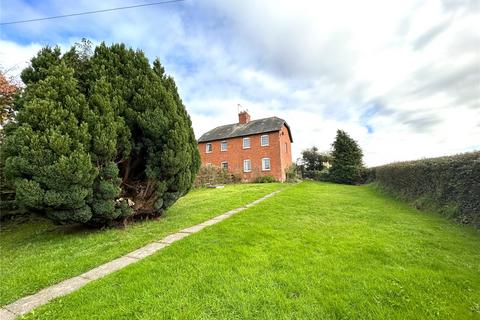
210 175
316 175
448 184
265 179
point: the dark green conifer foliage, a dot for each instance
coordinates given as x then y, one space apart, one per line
100 136
347 162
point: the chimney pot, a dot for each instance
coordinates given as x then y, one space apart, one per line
243 117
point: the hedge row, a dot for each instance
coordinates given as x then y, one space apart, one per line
450 184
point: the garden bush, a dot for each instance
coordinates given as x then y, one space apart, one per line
450 184
8 205
265 179
293 173
210 175
317 175
99 136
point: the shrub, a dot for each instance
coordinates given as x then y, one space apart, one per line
8 205
347 160
451 184
95 130
292 174
212 175
265 179
312 160
316 175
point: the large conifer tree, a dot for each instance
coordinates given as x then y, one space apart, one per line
99 136
347 159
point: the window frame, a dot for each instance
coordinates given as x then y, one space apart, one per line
222 163
222 143
249 143
261 140
250 165
264 168
206 147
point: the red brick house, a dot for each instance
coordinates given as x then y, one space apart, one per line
249 148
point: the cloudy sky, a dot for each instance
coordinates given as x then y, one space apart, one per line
401 77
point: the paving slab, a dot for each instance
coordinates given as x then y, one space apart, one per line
27 304
232 212
221 217
174 237
210 222
108 268
147 250
7 315
193 229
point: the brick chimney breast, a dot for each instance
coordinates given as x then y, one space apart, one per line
243 117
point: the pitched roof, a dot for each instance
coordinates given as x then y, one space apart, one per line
246 129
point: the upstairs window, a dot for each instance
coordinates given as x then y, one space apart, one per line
223 146
247 165
264 140
246 143
208 148
266 164
224 165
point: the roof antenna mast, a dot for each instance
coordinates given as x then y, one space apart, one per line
240 108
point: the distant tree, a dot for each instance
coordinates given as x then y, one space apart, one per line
8 89
312 159
347 162
100 136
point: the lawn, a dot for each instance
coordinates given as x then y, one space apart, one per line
35 253
314 251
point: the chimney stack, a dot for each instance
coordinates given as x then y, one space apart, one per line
243 117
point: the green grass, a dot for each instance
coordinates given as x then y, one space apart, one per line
314 251
35 253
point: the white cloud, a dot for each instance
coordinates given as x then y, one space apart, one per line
14 57
402 77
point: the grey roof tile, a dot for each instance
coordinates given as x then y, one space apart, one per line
239 130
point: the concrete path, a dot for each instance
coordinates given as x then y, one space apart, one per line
26 304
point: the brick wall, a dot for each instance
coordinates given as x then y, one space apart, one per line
235 154
285 151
